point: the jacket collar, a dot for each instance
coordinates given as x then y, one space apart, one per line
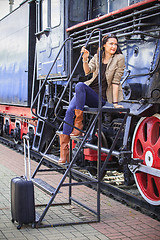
110 60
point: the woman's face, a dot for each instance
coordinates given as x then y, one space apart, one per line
111 46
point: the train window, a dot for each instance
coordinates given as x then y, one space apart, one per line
102 7
48 14
44 14
77 11
99 8
134 1
115 5
55 13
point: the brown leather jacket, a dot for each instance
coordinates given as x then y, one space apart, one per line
114 72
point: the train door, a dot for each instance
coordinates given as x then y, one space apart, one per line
50 35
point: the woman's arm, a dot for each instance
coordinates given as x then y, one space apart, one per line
92 65
85 60
116 80
115 96
86 66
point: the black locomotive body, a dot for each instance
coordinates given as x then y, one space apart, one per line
138 34
61 30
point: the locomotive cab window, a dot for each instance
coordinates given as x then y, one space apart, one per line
55 13
77 11
48 14
45 14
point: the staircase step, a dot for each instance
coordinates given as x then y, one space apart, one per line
54 159
38 134
44 186
36 149
77 138
51 157
59 133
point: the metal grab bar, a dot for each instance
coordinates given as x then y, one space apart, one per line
126 76
44 82
99 75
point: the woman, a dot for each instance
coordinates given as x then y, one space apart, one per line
113 65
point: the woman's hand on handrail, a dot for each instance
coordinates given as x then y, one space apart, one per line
85 55
116 105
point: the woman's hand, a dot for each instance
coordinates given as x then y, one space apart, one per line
85 53
85 60
116 105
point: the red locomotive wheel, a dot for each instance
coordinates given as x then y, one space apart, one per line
146 146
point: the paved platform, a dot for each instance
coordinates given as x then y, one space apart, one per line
117 221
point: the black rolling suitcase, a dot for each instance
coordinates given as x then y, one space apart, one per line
22 195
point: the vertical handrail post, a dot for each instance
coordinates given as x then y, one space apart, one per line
99 123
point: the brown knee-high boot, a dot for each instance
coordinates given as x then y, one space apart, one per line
64 148
78 122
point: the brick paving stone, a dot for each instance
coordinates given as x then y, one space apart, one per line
115 236
117 221
144 237
126 238
102 237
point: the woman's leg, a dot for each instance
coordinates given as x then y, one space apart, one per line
86 96
65 137
69 116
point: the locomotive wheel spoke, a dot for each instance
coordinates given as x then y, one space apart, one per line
150 187
156 184
146 146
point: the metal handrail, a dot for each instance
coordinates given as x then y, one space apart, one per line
44 82
75 67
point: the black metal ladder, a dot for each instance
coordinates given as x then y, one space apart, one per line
68 170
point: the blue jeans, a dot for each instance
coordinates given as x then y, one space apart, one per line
84 95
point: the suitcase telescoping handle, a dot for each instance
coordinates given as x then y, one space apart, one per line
26 146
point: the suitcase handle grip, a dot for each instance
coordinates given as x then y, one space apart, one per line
26 145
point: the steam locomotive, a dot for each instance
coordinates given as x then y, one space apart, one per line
40 65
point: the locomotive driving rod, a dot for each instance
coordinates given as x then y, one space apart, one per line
145 169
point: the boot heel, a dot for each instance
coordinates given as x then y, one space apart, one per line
66 161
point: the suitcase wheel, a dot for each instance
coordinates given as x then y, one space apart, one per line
19 226
33 225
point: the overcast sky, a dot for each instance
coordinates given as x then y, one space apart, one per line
5 8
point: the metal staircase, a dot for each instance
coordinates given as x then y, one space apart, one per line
68 170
